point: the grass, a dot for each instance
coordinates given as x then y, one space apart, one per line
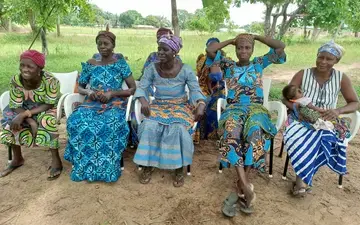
78 44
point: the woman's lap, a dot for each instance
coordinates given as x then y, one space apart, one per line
95 143
163 146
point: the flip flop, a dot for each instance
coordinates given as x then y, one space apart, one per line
179 180
145 176
10 168
244 208
301 192
229 207
53 171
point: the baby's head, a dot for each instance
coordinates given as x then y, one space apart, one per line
291 92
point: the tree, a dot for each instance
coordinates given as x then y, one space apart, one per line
353 16
184 18
174 18
157 21
200 21
127 19
217 12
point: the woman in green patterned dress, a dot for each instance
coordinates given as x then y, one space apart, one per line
30 117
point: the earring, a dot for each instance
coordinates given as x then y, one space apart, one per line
174 56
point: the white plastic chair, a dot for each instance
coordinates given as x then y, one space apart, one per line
69 107
271 106
67 86
4 101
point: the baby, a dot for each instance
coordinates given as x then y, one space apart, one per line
307 111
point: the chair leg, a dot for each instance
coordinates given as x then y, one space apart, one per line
140 167
271 158
9 154
286 167
281 149
122 163
220 168
189 170
340 181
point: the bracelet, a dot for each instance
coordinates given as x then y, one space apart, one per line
28 113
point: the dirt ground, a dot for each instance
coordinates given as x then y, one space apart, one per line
26 197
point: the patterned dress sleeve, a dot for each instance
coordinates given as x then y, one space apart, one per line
85 74
193 85
16 95
146 81
270 58
52 90
125 69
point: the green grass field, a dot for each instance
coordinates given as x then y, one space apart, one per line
77 45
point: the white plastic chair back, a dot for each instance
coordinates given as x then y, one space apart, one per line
4 100
67 81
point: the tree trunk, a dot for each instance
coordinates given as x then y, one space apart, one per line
356 33
58 26
174 18
305 31
44 45
285 25
315 33
267 22
274 22
32 23
338 30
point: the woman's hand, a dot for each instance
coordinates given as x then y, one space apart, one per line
330 114
199 113
15 124
33 125
145 108
105 98
92 95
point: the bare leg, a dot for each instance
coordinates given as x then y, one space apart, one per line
16 162
56 165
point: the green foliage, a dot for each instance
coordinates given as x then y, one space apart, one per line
127 19
157 21
353 15
256 28
199 22
184 18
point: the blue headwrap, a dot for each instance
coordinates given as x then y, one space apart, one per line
332 48
212 40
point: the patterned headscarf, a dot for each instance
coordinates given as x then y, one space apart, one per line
37 57
174 42
163 31
332 48
246 37
107 34
211 40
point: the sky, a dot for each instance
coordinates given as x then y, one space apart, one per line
246 14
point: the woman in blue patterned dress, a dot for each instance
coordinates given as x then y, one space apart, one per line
165 133
97 129
245 127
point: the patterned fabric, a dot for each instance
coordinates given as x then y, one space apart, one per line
165 136
47 93
97 133
245 127
207 127
332 48
310 149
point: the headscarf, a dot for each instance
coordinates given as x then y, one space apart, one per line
174 42
211 40
107 34
332 48
35 56
163 31
246 37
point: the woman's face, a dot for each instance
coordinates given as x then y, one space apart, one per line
28 69
325 61
244 50
165 53
105 46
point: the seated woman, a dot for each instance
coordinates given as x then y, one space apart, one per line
97 129
213 87
309 149
245 127
165 134
30 117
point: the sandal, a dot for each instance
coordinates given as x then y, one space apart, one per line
179 179
246 209
298 192
145 176
229 207
54 173
9 169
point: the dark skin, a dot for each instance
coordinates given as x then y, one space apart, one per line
244 50
30 79
322 72
106 48
168 67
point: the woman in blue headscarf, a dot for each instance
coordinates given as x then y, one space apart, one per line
310 149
